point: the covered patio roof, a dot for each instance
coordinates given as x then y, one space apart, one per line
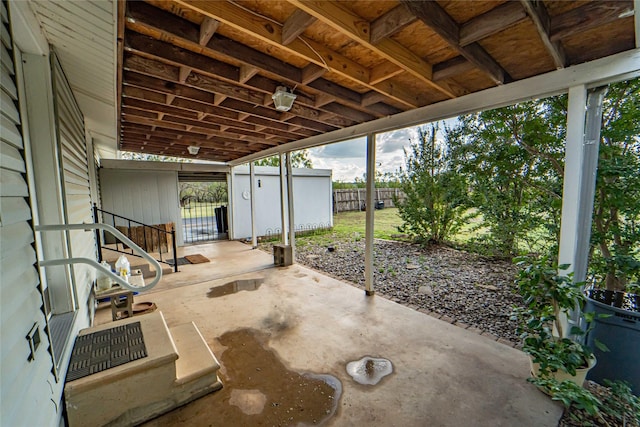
161 75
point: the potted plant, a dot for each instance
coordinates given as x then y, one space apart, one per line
555 353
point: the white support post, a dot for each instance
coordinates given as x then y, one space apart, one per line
252 188
283 199
581 162
231 200
290 201
370 208
576 114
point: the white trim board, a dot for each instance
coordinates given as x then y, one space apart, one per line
602 71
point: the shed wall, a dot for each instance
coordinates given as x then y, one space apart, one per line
147 196
312 201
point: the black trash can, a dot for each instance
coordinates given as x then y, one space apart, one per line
222 224
620 332
224 219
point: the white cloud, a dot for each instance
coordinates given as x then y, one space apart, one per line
348 159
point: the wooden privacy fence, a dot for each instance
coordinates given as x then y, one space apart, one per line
154 238
352 199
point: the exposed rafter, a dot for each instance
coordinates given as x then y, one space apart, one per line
436 18
589 16
171 28
196 72
269 32
295 25
540 18
492 22
343 20
207 30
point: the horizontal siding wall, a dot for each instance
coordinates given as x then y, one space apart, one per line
75 171
312 201
150 197
26 385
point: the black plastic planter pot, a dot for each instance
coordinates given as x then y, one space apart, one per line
620 332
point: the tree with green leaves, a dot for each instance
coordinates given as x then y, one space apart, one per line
615 260
436 199
299 159
512 159
130 155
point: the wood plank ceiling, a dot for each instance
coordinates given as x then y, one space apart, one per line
201 73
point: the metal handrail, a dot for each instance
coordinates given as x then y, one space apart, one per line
144 226
93 263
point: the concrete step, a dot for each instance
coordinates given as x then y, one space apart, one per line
195 358
179 368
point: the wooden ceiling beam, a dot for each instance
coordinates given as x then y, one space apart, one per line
297 109
269 126
312 72
151 48
278 126
339 110
132 137
271 33
147 114
451 67
208 28
246 73
540 17
391 22
324 99
436 18
187 129
183 74
384 71
355 27
160 25
157 108
219 115
494 21
591 15
295 25
174 135
371 98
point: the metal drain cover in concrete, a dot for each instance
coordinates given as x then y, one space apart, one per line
106 349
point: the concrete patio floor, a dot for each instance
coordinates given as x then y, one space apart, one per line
285 335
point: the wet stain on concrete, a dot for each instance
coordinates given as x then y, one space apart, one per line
369 370
259 390
279 319
234 287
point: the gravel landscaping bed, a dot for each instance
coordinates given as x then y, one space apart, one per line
457 286
463 288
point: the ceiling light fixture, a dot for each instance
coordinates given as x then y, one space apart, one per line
193 149
283 99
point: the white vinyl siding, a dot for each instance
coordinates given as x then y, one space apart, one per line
150 197
75 177
25 397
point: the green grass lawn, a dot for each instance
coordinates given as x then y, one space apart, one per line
197 209
351 226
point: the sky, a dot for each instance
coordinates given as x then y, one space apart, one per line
347 159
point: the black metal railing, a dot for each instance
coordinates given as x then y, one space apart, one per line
148 233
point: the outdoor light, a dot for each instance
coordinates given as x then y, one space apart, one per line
283 99
193 149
